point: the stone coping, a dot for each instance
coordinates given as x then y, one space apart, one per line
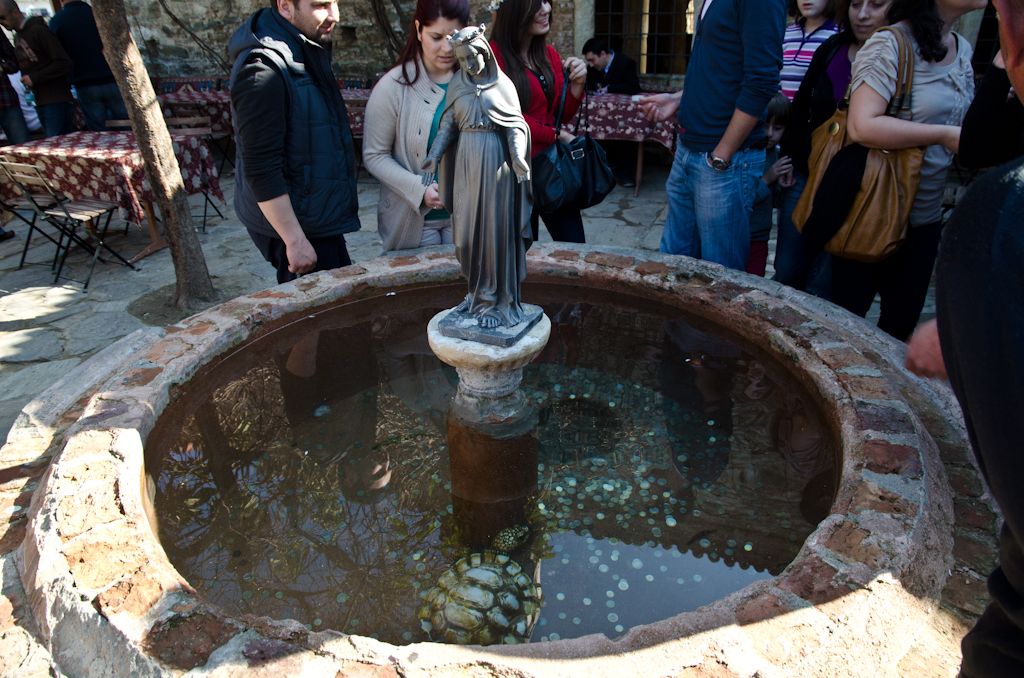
107 601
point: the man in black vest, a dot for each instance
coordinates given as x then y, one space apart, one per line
609 71
295 186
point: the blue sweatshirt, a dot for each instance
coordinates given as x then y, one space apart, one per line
734 64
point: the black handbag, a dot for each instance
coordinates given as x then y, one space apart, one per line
571 176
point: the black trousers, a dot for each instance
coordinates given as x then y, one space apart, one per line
563 226
902 280
980 313
331 253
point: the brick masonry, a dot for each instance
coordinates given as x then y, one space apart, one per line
866 581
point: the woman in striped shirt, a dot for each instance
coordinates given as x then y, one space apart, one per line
815 25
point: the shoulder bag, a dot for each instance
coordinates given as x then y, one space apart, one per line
574 175
876 221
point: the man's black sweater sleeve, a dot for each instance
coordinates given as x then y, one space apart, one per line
992 130
627 81
258 97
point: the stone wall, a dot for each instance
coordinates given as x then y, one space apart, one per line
360 52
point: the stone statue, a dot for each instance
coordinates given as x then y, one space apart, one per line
483 181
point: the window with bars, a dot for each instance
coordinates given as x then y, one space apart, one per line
656 33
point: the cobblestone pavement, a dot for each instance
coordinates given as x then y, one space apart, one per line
46 330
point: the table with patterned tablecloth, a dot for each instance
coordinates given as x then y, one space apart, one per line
217 105
108 166
617 117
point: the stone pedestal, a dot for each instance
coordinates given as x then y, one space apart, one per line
492 440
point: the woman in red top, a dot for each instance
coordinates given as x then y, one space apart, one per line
519 41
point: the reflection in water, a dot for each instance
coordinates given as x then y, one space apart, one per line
672 469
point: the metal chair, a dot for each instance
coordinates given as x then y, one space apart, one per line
64 215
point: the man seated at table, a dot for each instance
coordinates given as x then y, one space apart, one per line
615 73
44 68
609 71
295 184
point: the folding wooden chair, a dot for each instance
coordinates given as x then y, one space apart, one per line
196 126
65 215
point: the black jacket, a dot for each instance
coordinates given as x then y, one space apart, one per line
993 129
813 104
621 77
291 130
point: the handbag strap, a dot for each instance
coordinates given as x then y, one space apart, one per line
903 97
561 102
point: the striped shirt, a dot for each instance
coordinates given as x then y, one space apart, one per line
797 51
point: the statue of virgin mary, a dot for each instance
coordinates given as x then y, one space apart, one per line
483 151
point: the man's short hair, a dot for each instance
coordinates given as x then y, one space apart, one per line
595 46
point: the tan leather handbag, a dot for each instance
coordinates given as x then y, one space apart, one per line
877 223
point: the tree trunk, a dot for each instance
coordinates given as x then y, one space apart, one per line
193 285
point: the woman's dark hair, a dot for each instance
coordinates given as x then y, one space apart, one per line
925 24
831 11
427 12
780 110
510 30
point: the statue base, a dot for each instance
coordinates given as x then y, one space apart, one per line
461 325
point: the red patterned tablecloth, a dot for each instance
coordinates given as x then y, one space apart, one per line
617 116
217 105
108 166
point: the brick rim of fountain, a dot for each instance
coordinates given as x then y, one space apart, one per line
107 601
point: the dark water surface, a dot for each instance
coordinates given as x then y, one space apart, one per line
307 476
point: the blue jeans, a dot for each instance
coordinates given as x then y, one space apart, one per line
791 265
13 123
708 210
56 118
101 103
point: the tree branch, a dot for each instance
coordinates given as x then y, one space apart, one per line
210 52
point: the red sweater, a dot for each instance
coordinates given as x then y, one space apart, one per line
541 116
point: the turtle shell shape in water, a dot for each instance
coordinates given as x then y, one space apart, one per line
509 539
484 599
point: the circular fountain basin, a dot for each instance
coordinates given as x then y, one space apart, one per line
109 602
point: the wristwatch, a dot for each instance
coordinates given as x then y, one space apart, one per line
717 163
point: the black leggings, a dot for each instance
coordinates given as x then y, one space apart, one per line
902 280
563 226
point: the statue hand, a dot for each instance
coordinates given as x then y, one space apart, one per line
522 169
430 167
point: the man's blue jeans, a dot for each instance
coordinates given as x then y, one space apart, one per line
101 103
791 265
12 121
708 210
56 118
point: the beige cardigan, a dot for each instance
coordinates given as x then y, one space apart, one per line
395 135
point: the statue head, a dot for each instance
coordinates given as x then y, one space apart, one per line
471 49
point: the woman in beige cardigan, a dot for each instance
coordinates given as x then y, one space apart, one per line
401 122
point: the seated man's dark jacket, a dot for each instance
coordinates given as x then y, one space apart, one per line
291 130
621 77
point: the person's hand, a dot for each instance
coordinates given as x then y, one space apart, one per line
301 256
998 61
603 89
924 354
430 197
26 80
659 107
522 169
781 167
565 137
786 179
577 68
951 138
